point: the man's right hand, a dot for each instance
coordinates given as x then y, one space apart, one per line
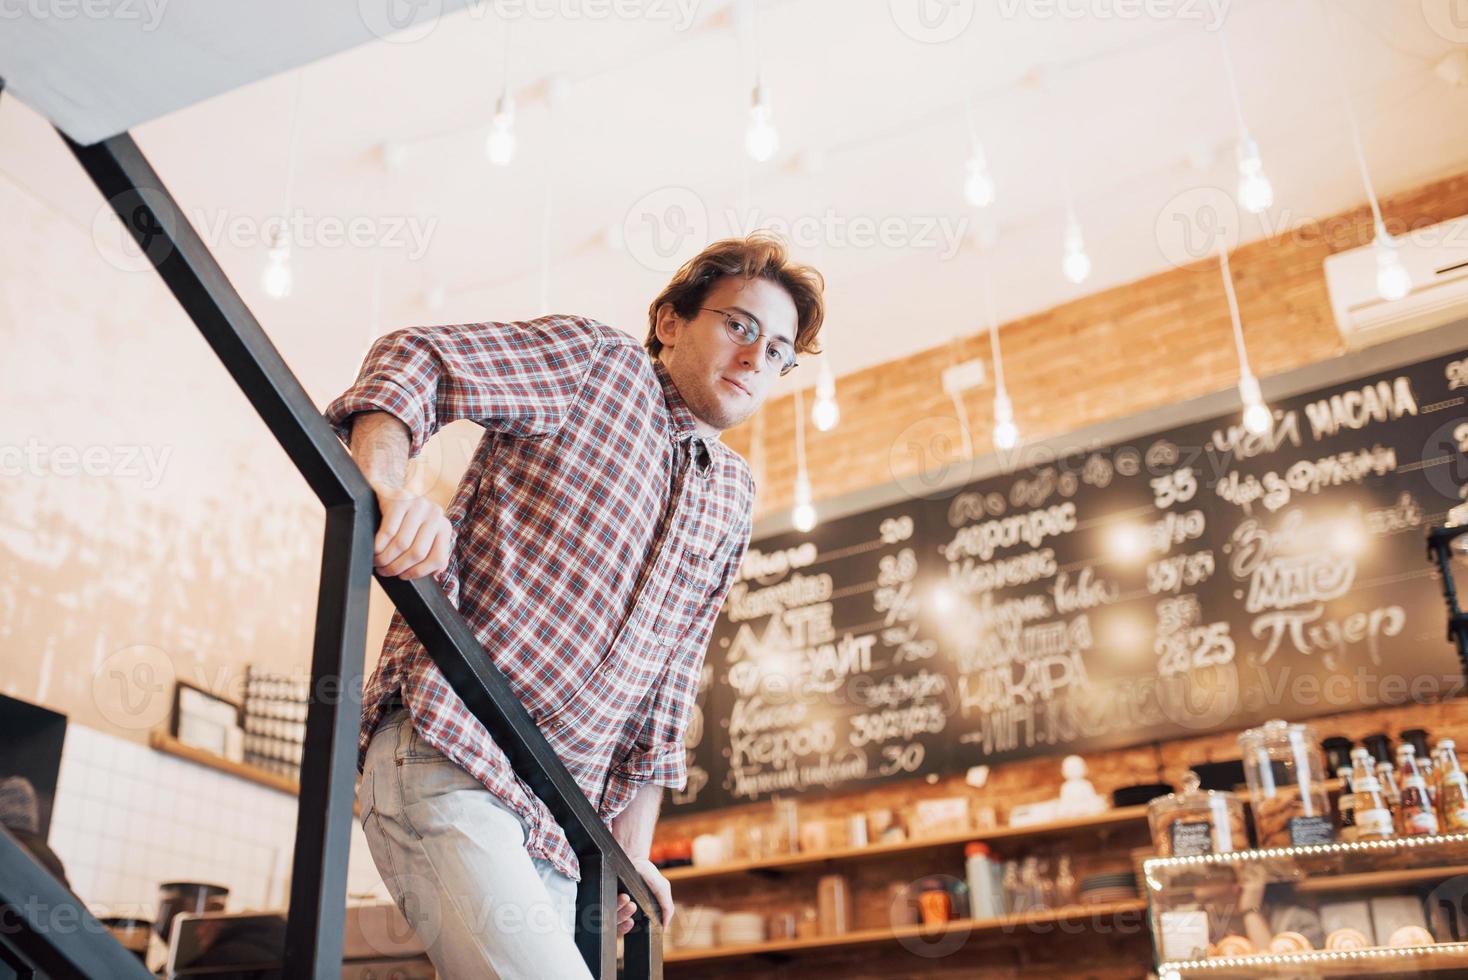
415 538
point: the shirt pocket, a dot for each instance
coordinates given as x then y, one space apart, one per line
693 581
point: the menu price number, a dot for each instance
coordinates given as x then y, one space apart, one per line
901 758
906 647
1194 648
1177 487
903 723
895 530
893 594
1178 572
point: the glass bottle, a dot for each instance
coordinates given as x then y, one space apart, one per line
1013 889
1373 816
1047 884
1425 762
1453 795
1029 880
1418 814
1065 883
1386 774
1347 805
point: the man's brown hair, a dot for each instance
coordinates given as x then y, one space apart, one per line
758 256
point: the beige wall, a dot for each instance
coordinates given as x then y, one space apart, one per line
186 545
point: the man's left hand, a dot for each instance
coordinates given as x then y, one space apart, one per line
660 889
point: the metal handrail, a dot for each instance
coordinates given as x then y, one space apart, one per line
318 891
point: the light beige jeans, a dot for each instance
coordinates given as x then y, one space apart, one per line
453 858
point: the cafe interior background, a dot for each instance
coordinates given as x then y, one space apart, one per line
1022 211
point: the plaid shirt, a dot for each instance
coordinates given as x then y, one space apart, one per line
596 536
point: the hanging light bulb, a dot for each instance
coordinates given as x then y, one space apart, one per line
1256 193
760 139
1257 417
1006 433
825 413
978 185
1076 263
803 516
499 146
1393 282
277 278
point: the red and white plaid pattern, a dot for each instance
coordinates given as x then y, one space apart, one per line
595 539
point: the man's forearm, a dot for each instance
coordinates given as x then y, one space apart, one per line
380 446
633 827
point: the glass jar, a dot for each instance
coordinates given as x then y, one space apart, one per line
1197 821
1287 788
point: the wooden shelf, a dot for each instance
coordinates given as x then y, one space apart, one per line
164 742
1376 961
862 937
1109 820
1370 880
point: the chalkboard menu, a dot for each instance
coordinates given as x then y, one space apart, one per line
1193 580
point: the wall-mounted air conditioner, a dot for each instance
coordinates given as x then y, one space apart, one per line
1437 260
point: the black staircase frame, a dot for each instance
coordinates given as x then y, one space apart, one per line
1440 542
328 768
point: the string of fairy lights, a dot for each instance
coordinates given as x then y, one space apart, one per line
977 187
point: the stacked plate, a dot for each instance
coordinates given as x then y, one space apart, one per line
694 927
1116 887
741 928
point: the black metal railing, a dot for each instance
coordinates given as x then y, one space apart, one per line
318 885
1440 544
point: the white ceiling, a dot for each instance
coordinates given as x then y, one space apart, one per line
637 119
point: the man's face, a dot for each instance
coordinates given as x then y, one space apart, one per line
722 382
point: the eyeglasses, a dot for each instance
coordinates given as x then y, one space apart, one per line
779 352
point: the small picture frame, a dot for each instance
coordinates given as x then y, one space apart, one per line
203 719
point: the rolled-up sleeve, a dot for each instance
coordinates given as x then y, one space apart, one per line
657 753
518 378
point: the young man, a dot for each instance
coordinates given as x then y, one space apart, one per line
590 546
